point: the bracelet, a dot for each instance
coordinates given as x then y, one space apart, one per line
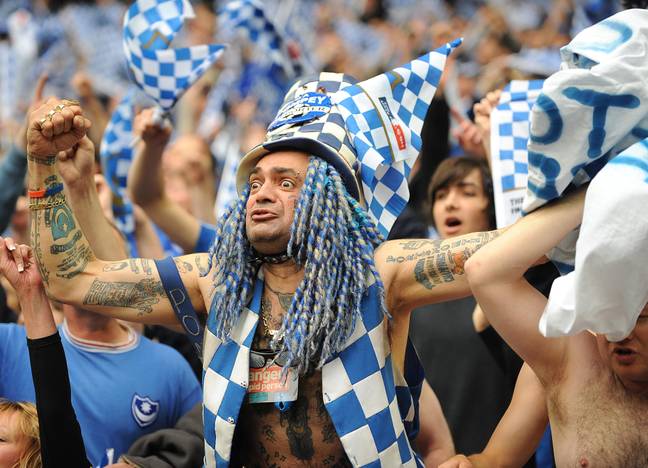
48 161
49 202
43 193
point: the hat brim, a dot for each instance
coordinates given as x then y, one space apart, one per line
307 145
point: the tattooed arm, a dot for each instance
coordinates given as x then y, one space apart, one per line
422 271
129 289
76 168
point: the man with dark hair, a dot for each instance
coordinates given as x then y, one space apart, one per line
470 179
467 364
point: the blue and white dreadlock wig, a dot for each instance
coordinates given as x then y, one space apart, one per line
333 238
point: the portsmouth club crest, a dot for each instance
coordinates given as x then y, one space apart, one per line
144 410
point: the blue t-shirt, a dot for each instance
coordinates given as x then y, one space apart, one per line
118 394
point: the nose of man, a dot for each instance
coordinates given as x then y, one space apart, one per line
265 193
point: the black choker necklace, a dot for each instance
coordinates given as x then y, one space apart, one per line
275 259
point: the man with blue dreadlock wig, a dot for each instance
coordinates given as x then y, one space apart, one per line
303 308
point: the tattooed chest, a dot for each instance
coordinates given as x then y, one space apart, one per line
303 435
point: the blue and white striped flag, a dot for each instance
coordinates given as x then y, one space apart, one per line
162 72
510 122
384 116
116 154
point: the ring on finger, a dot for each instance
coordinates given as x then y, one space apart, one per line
70 102
50 114
60 107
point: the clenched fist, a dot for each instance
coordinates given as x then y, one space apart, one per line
56 125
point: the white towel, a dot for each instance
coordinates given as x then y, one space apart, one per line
592 109
607 290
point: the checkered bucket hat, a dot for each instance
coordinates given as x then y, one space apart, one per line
369 131
307 122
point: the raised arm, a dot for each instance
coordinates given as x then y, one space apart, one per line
146 184
423 271
129 289
48 366
76 167
510 303
518 433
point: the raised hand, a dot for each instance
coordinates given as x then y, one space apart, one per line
483 110
18 265
54 126
150 130
468 134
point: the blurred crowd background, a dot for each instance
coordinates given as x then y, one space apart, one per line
78 45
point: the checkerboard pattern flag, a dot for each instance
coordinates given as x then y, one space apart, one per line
384 117
514 116
116 154
162 72
368 400
249 16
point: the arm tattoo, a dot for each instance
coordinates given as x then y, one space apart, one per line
74 250
60 220
183 267
142 295
115 266
445 260
48 161
202 269
146 266
75 263
35 242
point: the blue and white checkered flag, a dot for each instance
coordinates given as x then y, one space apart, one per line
116 154
509 158
384 117
162 72
249 16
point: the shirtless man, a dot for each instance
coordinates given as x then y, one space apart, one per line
597 391
346 410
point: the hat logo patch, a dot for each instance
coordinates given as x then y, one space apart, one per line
144 410
308 106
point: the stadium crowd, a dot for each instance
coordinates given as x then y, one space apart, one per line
95 366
